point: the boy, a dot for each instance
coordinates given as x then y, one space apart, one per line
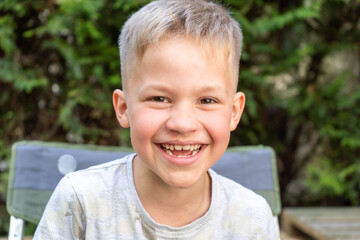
180 62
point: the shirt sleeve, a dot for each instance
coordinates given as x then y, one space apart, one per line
271 226
63 217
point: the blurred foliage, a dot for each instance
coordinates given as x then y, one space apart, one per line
302 92
334 183
59 64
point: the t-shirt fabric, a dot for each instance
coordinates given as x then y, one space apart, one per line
101 202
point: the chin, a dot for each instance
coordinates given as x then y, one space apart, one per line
181 181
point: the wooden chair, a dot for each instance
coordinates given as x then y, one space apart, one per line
37 167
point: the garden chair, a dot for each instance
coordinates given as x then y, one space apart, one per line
37 167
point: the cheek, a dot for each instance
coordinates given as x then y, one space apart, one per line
144 123
218 125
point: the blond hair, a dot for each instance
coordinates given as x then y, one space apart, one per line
205 22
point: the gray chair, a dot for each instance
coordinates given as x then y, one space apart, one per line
37 167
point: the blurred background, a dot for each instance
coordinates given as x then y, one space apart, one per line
300 71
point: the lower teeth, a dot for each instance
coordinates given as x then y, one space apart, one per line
192 154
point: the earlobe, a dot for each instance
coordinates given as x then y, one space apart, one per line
237 109
120 107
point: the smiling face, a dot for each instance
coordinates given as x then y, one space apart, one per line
180 107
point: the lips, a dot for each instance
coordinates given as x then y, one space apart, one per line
181 151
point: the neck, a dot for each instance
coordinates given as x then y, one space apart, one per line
172 206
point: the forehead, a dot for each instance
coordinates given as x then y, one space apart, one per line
178 50
182 61
210 49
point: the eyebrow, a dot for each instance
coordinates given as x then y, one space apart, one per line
213 88
206 88
154 87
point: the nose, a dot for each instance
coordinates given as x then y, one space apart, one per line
182 119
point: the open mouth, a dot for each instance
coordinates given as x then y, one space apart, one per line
181 151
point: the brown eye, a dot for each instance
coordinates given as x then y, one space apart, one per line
159 99
207 101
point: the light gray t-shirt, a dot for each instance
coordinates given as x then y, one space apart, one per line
102 203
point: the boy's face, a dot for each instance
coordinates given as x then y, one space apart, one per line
180 108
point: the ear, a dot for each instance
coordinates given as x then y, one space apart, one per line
121 108
237 109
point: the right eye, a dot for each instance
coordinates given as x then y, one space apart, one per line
159 99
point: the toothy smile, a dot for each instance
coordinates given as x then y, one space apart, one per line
181 150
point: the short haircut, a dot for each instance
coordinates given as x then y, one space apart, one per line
206 22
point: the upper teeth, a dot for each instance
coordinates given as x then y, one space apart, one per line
181 147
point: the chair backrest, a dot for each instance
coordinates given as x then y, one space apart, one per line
37 167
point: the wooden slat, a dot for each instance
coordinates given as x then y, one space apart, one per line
324 223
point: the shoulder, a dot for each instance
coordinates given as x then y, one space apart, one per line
97 179
241 205
89 192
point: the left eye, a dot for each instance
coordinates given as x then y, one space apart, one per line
207 101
